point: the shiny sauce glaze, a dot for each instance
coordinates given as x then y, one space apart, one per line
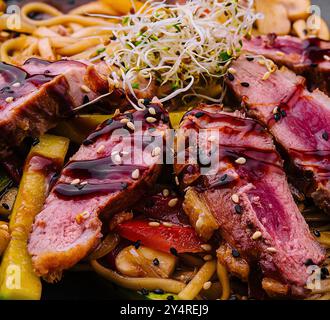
103 175
258 161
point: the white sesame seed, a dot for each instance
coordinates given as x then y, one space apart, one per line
124 120
152 111
208 257
240 160
173 202
156 152
9 99
75 181
177 182
85 214
154 224
100 149
117 158
232 71
275 110
327 58
266 76
117 112
83 183
16 85
256 235
207 285
151 119
136 174
166 192
235 198
271 250
280 53
167 224
131 125
212 138
206 247
199 222
85 89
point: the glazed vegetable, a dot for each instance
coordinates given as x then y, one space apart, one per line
166 238
203 275
145 262
17 279
78 128
199 214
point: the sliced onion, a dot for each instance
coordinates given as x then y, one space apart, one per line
109 243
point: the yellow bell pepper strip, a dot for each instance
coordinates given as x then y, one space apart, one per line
78 128
17 278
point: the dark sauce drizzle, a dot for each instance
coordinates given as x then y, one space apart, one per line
258 161
104 170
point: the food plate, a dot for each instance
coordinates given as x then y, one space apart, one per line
164 150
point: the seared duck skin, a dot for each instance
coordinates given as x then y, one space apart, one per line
298 119
248 197
113 168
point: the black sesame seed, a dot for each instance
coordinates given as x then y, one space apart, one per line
137 244
233 297
245 84
317 233
159 291
199 114
124 185
5 206
146 102
170 297
283 113
230 76
79 186
324 272
249 59
108 122
277 117
238 209
174 251
309 262
87 142
305 31
113 38
144 291
235 253
325 136
35 141
155 262
224 177
314 65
